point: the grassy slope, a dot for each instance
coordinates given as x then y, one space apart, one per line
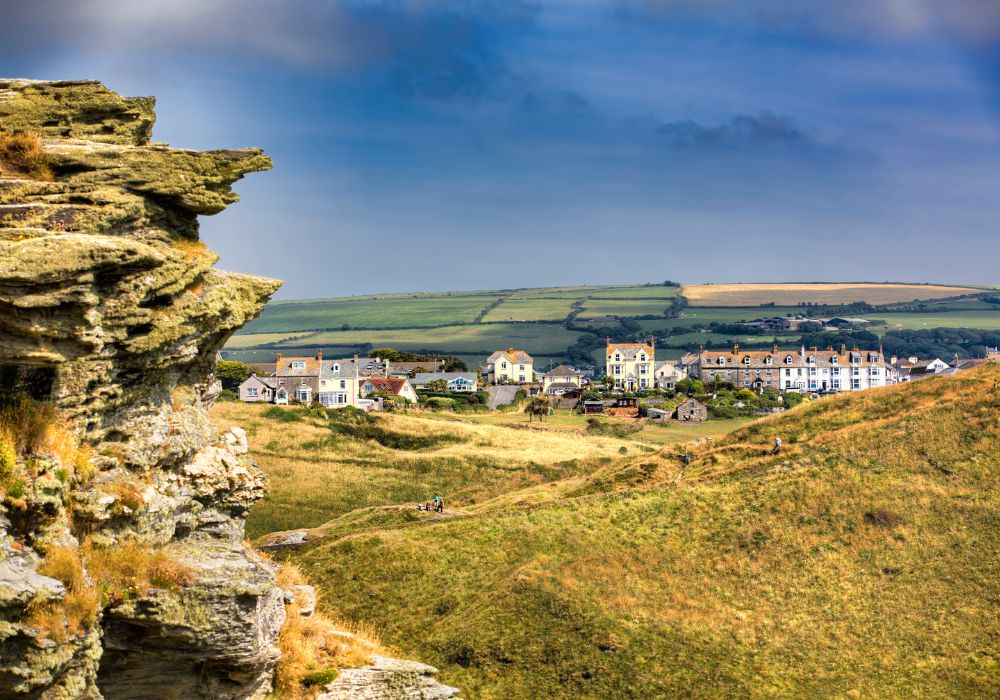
793 293
864 559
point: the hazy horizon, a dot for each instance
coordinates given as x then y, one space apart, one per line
476 145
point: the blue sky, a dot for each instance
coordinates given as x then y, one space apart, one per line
464 145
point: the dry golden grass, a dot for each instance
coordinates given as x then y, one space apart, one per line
62 620
793 294
127 571
24 154
316 476
313 648
34 428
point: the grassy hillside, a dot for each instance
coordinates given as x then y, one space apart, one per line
862 561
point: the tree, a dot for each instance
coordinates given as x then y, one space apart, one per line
231 374
437 385
538 407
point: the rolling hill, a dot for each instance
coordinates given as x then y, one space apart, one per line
863 560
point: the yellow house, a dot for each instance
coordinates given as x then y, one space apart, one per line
338 384
510 366
630 365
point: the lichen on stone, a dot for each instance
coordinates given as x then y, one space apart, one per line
111 311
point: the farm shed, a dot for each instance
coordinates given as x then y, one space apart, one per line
692 411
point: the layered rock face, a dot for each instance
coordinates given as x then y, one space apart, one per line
110 309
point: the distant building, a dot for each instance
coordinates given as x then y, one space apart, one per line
797 370
561 379
510 366
338 384
298 376
454 381
692 411
667 373
630 365
924 368
257 389
389 385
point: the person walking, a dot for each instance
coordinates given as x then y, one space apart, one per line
777 446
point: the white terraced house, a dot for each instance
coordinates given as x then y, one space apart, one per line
338 384
630 365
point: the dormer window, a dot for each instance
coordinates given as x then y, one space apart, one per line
642 358
788 359
873 358
298 365
767 360
835 359
336 367
746 360
811 360
722 361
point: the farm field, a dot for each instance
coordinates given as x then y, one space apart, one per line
757 294
639 575
239 342
608 292
624 307
985 320
404 312
532 309
542 338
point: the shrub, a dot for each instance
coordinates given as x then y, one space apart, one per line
283 415
128 571
227 395
602 426
23 154
61 620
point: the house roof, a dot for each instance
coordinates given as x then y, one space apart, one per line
427 377
830 357
629 350
562 371
391 385
512 354
341 369
434 365
269 382
265 369
311 366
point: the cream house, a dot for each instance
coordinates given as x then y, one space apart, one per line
667 373
510 366
561 378
630 365
338 384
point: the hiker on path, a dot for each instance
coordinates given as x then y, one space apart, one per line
777 446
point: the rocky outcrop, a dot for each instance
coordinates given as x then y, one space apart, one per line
389 678
110 310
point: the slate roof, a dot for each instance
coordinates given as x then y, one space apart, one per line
629 351
283 366
562 371
340 369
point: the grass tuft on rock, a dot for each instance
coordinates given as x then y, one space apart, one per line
23 154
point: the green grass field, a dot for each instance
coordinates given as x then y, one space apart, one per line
534 309
853 563
985 320
402 312
624 307
541 338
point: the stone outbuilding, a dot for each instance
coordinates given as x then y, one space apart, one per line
692 411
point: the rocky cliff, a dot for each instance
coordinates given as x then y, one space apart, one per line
122 568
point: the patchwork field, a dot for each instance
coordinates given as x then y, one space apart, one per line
758 294
853 563
473 324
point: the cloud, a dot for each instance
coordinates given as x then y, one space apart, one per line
974 21
437 50
742 130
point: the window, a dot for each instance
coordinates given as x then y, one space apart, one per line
521 378
767 360
836 383
521 368
336 367
341 398
618 358
642 358
746 360
617 369
812 371
642 383
281 382
722 361
788 372
788 359
811 360
642 369
252 391
855 383
343 383
503 365
618 384
836 371
298 365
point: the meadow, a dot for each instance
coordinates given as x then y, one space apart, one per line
814 293
853 563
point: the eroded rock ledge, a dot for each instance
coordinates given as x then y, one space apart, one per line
110 309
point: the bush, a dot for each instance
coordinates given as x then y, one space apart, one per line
602 426
723 411
439 402
283 415
128 571
227 395
23 154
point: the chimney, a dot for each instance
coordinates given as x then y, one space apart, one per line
355 358
736 348
319 355
843 348
278 358
955 364
775 348
893 360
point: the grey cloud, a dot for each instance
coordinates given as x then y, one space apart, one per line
969 20
741 130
